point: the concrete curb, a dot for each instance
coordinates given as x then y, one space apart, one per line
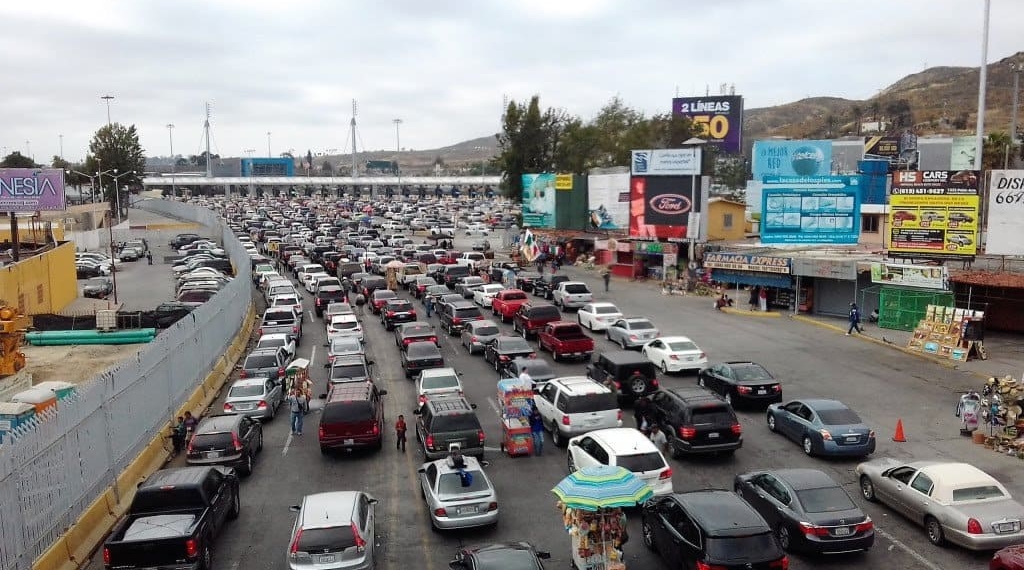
76 545
748 313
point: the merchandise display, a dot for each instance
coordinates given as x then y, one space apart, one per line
516 400
597 537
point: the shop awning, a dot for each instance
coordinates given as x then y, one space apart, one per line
752 278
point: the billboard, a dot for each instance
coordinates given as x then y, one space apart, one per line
962 155
31 189
924 276
1005 209
817 210
666 162
720 116
792 158
934 213
539 200
608 201
881 147
660 206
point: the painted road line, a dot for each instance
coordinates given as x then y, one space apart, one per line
494 406
913 553
312 316
312 356
287 442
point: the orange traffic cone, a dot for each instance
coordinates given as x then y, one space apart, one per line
899 437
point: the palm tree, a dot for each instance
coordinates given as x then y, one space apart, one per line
857 114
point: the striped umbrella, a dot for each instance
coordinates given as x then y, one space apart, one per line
602 487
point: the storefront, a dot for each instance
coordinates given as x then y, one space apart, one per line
737 270
655 259
828 285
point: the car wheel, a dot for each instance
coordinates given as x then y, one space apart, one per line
608 335
496 365
934 530
525 334
782 533
622 343
808 445
728 398
771 421
638 386
236 507
556 437
664 367
207 558
700 381
247 468
570 463
867 488
647 534
259 443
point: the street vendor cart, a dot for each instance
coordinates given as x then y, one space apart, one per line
297 375
516 400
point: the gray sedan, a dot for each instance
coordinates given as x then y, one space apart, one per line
254 397
458 495
631 332
955 502
477 334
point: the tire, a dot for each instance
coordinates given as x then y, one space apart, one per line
782 533
867 489
246 470
570 463
259 443
526 335
933 529
236 507
622 343
728 398
647 535
207 558
637 387
664 368
556 437
808 446
496 365
770 420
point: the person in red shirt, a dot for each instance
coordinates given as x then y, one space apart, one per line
400 429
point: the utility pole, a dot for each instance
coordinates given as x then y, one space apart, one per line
355 170
108 98
979 135
174 161
206 132
269 155
398 150
61 137
1016 67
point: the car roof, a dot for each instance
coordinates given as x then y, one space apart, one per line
675 339
263 351
350 391
446 371
258 381
469 462
349 359
823 404
482 323
218 423
620 356
722 513
192 475
273 336
578 385
691 393
624 441
953 474
344 318
331 509
422 347
801 479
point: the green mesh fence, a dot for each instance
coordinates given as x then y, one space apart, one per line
902 309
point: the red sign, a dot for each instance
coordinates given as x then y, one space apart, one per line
659 206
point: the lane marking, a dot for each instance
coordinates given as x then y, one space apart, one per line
913 553
312 316
312 356
288 442
494 406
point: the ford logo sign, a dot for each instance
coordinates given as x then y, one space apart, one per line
670 204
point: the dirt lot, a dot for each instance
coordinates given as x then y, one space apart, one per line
77 363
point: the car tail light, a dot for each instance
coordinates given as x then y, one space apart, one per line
406 341
737 429
632 337
618 415
391 313
191 548
706 566
480 436
565 420
259 331
243 374
666 474
473 339
674 356
744 389
533 355
433 339
430 442
618 385
825 435
360 543
780 564
262 405
413 314
297 307
236 442
776 387
295 330
492 506
813 530
228 407
974 527
503 358
423 399
321 433
330 358
456 320
440 513
686 432
654 382
294 548
280 372
376 429
865 526
318 301
106 556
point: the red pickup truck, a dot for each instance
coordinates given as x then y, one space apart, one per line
564 338
507 302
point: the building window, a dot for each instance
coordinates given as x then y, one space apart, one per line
869 224
727 221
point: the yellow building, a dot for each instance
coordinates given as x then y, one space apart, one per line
726 220
44 283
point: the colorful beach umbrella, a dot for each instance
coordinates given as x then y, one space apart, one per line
602 487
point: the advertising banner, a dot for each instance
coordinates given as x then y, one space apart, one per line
31 189
721 118
744 262
666 162
792 158
1006 213
810 210
962 155
924 276
881 147
608 201
660 206
563 182
934 213
538 200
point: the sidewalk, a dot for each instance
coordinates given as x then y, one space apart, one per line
1005 351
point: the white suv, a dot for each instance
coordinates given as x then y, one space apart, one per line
575 405
624 447
571 295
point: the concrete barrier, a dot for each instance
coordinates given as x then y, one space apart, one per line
72 550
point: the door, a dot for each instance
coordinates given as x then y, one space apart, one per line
791 420
656 351
587 453
772 498
891 488
666 539
917 499
546 402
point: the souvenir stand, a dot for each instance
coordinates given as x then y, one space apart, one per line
597 537
516 400
1001 411
297 376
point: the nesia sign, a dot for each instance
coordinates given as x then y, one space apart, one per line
31 189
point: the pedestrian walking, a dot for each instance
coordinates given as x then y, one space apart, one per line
525 377
537 430
754 297
298 404
149 257
178 435
854 320
360 301
642 412
400 429
658 438
606 275
762 299
190 423
429 303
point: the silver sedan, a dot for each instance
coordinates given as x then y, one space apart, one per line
477 334
632 332
458 495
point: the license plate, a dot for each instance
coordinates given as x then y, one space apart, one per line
466 510
348 441
841 531
690 358
713 435
852 439
1007 527
762 392
212 454
246 407
325 559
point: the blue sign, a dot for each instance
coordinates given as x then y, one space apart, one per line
792 158
810 210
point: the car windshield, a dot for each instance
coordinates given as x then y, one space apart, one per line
977 493
606 310
585 403
515 344
279 317
455 484
576 289
825 500
838 417
282 301
467 312
750 373
423 350
250 391
455 422
348 371
713 415
260 361
640 325
740 548
439 382
640 462
345 344
515 296
343 325
97 281
219 440
486 330
271 343
682 346
325 540
506 559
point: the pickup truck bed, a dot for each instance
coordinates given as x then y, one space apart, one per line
566 339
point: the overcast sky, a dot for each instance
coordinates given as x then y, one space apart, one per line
443 67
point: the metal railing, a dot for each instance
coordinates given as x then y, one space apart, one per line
53 468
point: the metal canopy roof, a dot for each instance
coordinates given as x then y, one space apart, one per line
428 181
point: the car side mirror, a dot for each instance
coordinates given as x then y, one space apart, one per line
457 565
473 406
370 362
575 443
327 365
327 345
485 463
543 555
295 508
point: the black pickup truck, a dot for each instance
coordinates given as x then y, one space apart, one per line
173 519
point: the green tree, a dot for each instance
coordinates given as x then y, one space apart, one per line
522 147
17 160
309 162
326 168
732 173
857 116
900 114
998 150
831 125
115 151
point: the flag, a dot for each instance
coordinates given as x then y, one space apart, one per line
529 248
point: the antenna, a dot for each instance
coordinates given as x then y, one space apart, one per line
707 90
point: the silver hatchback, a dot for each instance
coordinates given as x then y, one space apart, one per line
632 332
333 531
255 397
458 494
477 334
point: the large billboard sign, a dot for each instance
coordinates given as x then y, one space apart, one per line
666 162
963 152
792 158
721 118
818 210
660 206
934 213
31 189
539 200
608 201
1006 213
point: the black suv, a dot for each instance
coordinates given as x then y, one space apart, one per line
445 421
455 315
696 421
632 374
226 439
451 274
711 529
548 282
396 311
325 296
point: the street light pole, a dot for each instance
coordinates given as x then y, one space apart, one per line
979 136
108 98
398 150
61 137
174 161
268 146
1016 67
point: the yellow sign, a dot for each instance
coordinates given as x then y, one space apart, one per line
563 182
934 213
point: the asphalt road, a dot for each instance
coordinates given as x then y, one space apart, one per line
880 383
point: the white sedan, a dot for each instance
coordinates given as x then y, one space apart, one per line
310 280
598 316
484 296
675 354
